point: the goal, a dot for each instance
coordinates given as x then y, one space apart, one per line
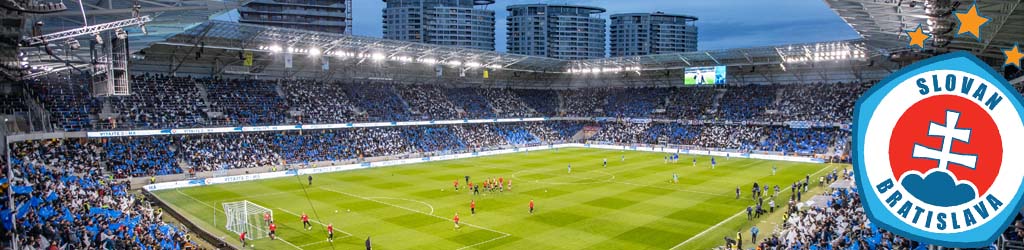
245 216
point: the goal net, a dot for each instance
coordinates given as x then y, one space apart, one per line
245 216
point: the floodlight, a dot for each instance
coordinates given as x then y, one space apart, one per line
275 48
378 56
314 51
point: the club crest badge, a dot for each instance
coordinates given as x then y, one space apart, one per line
936 152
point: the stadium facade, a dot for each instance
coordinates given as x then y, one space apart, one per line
334 16
567 32
635 34
458 23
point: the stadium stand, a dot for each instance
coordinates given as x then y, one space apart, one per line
246 102
318 102
160 102
59 208
380 102
67 99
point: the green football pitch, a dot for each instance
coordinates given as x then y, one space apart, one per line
630 204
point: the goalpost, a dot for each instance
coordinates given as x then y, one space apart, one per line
245 216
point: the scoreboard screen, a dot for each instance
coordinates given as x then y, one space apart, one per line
704 75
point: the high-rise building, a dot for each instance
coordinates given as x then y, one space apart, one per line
460 23
558 31
334 16
636 34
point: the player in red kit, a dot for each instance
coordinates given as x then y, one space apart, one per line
241 237
456 220
472 207
266 217
531 207
273 231
330 232
456 184
305 222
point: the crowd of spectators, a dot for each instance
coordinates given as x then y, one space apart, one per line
621 132
59 208
159 101
635 102
691 103
730 137
228 151
741 103
318 102
479 136
820 102
140 156
474 104
378 101
803 141
68 99
565 129
544 102
672 133
246 102
516 134
77 156
506 103
583 102
429 102
434 139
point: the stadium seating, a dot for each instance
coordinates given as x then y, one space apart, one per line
159 101
68 100
318 102
474 104
59 208
246 102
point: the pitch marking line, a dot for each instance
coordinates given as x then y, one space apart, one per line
734 216
610 180
347 234
222 211
289 243
503 234
314 243
409 200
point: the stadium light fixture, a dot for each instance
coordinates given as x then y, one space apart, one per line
454 62
472 64
428 61
275 48
495 66
378 56
314 51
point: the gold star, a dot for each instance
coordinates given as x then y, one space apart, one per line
917 37
971 21
1013 56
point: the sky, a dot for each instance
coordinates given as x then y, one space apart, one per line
722 24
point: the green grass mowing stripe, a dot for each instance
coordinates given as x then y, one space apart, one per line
730 218
583 215
503 234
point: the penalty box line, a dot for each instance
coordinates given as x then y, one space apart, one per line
347 234
222 211
734 216
503 234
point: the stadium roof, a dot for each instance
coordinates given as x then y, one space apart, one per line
169 17
249 37
883 23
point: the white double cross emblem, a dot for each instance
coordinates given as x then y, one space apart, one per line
948 132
